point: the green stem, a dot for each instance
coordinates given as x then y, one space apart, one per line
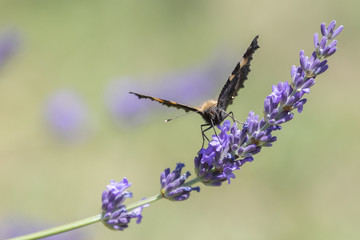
143 202
83 222
193 181
60 229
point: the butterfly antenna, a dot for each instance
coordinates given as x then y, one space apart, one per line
231 115
170 119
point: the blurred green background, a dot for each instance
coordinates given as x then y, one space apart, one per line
304 187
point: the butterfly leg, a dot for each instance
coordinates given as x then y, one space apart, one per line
215 132
231 115
209 126
203 133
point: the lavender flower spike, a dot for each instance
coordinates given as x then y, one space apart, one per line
233 147
216 163
114 213
329 33
172 184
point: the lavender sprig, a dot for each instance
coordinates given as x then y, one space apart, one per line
234 147
227 152
172 184
114 213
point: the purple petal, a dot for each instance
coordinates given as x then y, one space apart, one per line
331 51
303 59
331 27
323 43
323 29
337 31
316 40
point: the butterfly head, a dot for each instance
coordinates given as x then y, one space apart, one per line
211 113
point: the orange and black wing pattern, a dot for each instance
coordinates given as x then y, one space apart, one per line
237 77
168 103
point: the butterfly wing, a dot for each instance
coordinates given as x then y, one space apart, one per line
168 103
237 77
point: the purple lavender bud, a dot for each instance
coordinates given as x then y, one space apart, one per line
228 170
257 149
114 213
315 64
253 122
261 136
330 28
204 168
298 81
267 106
249 149
330 32
303 59
323 43
270 110
305 88
309 83
299 105
284 117
337 31
269 141
323 29
330 49
316 41
236 137
312 66
278 90
332 44
291 100
293 71
172 184
273 114
285 94
322 68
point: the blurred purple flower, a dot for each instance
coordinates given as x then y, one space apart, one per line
9 43
121 105
187 86
67 116
192 85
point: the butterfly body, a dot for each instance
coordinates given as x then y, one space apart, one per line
214 111
211 113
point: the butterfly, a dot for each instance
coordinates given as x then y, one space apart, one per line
214 111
